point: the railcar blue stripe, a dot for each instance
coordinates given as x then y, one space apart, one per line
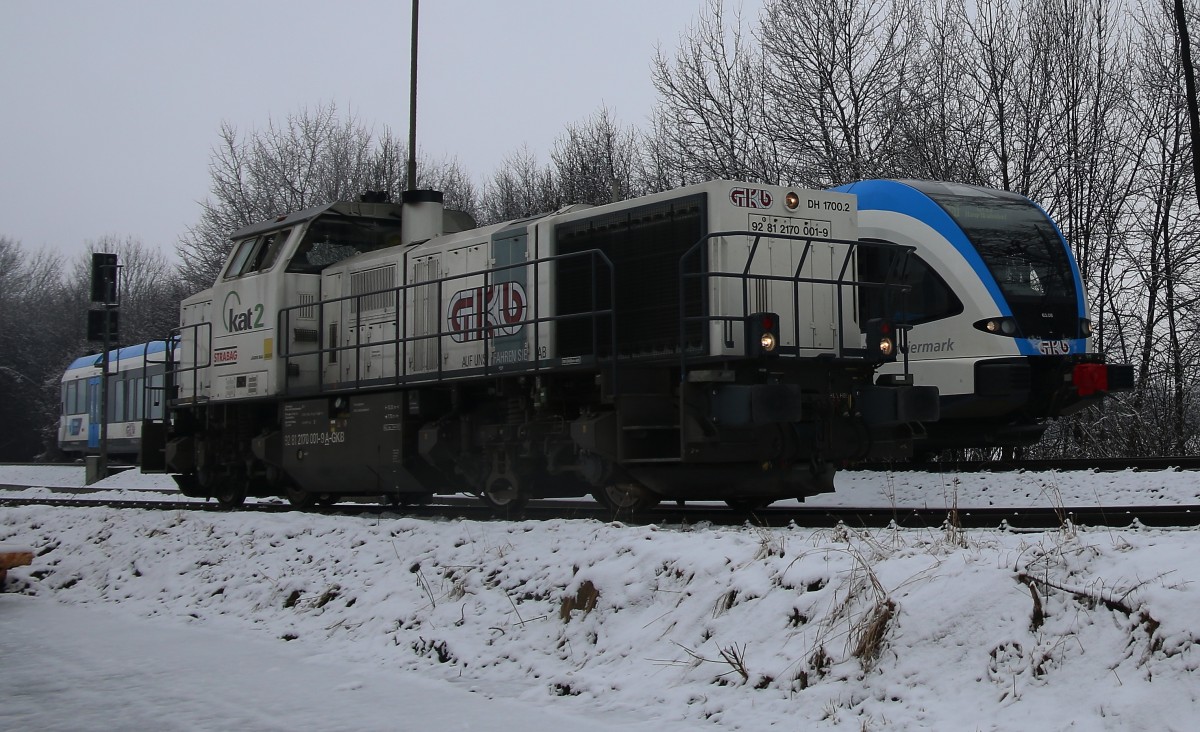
120 354
890 195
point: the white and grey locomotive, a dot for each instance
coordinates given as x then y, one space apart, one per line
701 343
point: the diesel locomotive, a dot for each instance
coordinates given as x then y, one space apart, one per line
703 343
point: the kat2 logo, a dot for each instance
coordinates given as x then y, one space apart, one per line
237 320
492 311
750 197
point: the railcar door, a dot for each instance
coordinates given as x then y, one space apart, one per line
508 296
93 406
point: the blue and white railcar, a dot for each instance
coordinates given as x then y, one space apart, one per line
998 311
135 393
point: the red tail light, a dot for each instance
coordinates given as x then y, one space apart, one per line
1090 378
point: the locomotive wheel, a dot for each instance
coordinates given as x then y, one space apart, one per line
503 496
748 505
626 499
229 492
407 499
300 498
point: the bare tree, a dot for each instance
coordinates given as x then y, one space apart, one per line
1162 255
520 187
839 84
596 161
944 131
37 337
312 158
711 117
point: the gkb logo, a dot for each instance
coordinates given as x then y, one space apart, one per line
750 197
238 320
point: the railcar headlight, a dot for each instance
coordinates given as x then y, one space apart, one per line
886 347
767 342
791 200
998 326
1085 327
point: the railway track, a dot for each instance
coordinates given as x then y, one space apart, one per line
1186 462
1057 464
1023 519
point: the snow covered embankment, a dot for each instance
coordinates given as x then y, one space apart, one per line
745 628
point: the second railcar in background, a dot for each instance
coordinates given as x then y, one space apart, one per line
136 393
997 308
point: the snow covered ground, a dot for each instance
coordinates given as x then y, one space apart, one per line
151 620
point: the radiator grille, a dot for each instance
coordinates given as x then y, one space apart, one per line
309 311
372 281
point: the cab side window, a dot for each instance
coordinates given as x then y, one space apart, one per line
929 298
257 254
240 255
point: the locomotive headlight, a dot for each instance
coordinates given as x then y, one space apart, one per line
762 334
791 200
1085 327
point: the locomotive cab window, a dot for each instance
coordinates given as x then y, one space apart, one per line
241 254
929 299
331 239
257 254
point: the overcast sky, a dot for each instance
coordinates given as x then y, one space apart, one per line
109 110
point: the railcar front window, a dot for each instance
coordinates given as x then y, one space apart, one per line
1019 245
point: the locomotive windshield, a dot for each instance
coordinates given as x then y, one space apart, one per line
332 238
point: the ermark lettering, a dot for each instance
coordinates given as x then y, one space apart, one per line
941 347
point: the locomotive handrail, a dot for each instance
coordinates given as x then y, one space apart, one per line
403 338
174 371
745 277
169 345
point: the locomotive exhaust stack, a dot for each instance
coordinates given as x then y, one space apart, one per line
421 217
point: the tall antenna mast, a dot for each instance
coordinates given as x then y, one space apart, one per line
412 105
